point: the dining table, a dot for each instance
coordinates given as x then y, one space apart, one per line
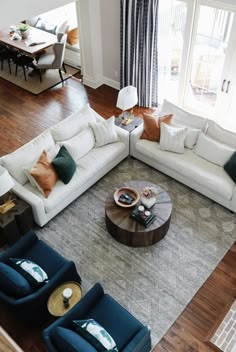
36 41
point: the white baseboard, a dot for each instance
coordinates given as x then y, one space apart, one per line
95 83
72 58
92 82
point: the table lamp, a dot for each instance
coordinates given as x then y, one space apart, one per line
127 99
6 183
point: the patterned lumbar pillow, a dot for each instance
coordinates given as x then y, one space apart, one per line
31 271
95 334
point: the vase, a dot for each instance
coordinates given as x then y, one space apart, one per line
148 202
24 34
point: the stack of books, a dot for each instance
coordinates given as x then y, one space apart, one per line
143 215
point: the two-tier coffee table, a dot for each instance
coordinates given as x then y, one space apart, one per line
126 230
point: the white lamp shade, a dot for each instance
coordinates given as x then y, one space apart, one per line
6 181
127 98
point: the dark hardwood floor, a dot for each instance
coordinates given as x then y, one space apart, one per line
22 117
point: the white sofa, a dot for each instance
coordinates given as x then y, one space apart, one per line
193 170
91 166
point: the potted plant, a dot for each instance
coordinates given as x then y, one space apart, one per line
23 28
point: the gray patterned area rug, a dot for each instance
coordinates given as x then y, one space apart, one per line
154 283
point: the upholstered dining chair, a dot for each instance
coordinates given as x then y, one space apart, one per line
129 334
29 303
55 59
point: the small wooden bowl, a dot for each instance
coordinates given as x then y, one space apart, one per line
131 191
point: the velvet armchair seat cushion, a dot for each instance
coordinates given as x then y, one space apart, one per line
69 341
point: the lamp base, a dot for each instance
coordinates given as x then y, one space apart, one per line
9 204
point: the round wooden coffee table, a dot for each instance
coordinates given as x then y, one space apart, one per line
129 232
55 301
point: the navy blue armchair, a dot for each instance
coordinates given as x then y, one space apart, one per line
128 333
32 308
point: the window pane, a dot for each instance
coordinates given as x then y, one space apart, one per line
171 19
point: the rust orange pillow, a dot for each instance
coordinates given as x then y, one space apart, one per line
44 174
151 130
73 36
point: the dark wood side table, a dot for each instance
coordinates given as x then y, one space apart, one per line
16 222
129 232
131 126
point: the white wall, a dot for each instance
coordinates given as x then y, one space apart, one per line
15 11
110 26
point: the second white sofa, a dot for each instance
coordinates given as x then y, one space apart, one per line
193 168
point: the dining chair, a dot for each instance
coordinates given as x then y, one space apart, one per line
54 60
6 54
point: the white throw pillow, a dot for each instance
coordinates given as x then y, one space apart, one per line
220 134
213 151
81 144
104 132
172 138
191 135
182 116
73 124
26 155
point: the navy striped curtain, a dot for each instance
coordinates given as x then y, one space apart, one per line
139 59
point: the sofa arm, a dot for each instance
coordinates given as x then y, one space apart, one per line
35 202
123 135
233 201
134 137
140 342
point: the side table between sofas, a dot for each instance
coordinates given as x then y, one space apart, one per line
15 222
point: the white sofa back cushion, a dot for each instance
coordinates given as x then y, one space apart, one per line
172 138
81 144
191 135
182 116
73 124
220 134
213 151
104 132
26 155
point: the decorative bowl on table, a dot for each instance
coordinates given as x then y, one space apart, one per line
126 197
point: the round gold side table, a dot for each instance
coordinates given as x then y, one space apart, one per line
55 301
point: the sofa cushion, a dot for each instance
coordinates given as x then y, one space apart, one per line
212 150
67 340
221 135
104 132
172 138
73 124
230 167
182 116
26 155
64 165
87 167
190 165
95 334
81 144
43 175
73 36
152 126
13 283
45 26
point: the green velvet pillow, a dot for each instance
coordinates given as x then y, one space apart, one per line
230 167
64 165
